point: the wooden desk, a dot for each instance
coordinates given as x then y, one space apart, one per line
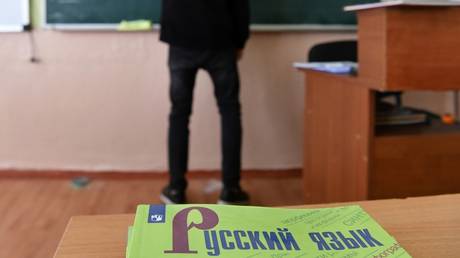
346 157
426 227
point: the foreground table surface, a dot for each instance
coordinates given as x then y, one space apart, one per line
425 227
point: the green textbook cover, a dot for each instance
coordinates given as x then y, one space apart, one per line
129 239
200 231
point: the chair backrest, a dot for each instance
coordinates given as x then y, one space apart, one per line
334 51
344 51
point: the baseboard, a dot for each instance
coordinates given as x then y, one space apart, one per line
135 175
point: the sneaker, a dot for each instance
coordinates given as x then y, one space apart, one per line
233 196
172 196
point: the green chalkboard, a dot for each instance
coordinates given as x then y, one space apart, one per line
303 12
263 12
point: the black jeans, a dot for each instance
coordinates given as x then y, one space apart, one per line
222 67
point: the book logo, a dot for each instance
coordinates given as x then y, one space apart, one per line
157 214
156 218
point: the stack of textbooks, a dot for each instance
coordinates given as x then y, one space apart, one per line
403 116
388 115
242 232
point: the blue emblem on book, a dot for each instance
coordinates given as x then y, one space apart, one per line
157 214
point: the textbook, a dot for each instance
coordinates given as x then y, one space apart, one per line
129 239
200 231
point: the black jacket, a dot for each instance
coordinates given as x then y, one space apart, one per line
205 24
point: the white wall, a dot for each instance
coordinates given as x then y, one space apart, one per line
99 101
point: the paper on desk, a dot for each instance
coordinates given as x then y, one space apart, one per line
344 67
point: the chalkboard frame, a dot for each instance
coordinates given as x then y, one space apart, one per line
156 27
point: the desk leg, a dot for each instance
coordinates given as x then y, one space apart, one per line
338 135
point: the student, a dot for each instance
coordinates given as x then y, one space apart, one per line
209 35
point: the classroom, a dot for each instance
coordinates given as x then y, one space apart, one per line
231 128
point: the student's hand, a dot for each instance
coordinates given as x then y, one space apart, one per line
239 54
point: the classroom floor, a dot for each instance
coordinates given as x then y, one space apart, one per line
34 212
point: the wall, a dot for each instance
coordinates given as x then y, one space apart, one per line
99 101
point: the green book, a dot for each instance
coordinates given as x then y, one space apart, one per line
175 231
129 239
